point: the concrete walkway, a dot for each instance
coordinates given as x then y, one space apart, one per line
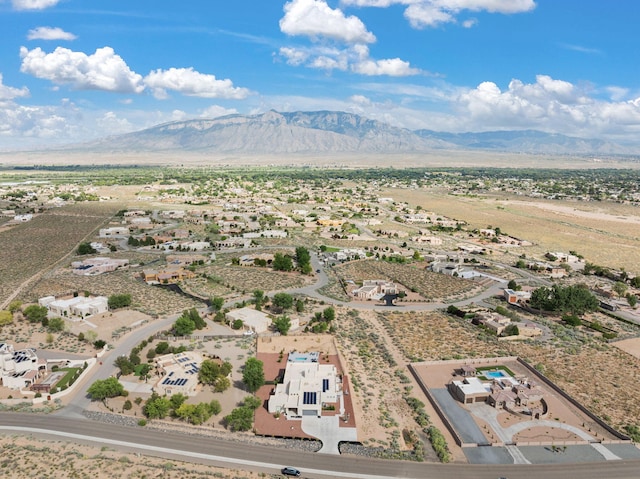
490 415
327 429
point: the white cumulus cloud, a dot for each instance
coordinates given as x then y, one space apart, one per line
314 18
547 104
50 33
355 58
192 83
9 93
215 111
33 4
430 13
391 67
102 70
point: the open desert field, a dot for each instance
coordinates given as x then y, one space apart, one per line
29 249
604 233
25 456
436 158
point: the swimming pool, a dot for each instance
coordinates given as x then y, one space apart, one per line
495 374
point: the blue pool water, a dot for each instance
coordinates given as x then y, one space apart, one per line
494 374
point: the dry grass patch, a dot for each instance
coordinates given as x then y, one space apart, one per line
29 457
432 335
32 247
431 286
604 236
247 279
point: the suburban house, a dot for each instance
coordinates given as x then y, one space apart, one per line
77 307
515 297
179 373
250 259
502 392
233 242
374 289
171 274
20 369
253 320
99 265
432 240
307 387
186 259
114 232
449 268
265 234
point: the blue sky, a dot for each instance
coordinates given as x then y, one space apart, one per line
73 70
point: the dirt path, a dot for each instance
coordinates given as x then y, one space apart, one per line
403 415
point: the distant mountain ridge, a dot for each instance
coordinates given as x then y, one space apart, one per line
335 132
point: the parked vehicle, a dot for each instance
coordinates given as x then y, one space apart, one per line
290 471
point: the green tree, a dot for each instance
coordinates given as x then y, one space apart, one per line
217 303
177 400
282 262
156 407
240 419
303 258
252 402
329 314
258 299
125 365
35 313
282 300
620 288
574 299
209 372
56 325
299 306
117 301
6 317
282 324
194 316
214 407
512 285
511 330
183 326
85 248
105 388
222 384
253 374
237 324
162 347
15 305
572 320
632 299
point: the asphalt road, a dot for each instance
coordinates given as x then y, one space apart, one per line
256 457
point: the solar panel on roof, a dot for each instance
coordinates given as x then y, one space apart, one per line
309 398
325 385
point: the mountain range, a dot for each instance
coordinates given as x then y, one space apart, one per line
337 132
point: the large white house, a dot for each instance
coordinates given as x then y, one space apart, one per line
78 307
19 369
307 387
